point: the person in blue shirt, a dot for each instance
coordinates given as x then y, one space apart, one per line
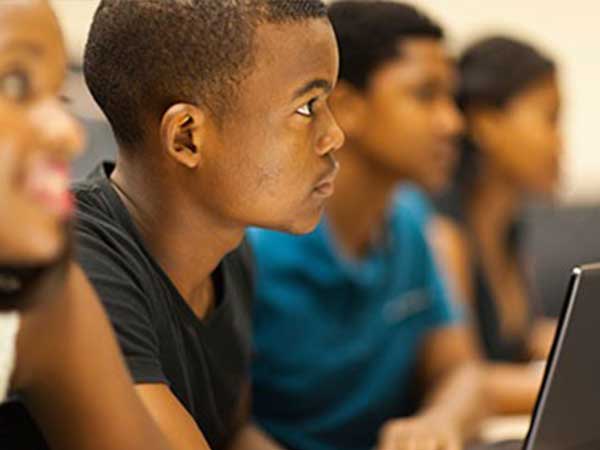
358 345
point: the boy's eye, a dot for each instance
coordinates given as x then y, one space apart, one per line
307 109
15 86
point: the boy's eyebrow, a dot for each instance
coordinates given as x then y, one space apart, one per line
318 83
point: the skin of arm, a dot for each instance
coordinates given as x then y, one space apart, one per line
66 399
510 388
181 429
172 418
541 338
76 385
452 252
455 403
513 388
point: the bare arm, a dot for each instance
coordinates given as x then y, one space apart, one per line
452 370
73 379
455 403
452 252
510 388
181 430
173 419
541 338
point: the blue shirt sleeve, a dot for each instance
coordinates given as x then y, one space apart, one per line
445 309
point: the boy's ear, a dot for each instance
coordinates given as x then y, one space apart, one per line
183 132
348 106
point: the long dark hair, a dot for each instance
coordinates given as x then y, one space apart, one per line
492 71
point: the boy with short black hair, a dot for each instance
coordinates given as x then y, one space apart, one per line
219 108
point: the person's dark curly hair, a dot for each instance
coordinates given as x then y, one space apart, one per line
371 33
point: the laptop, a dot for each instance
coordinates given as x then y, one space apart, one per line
566 415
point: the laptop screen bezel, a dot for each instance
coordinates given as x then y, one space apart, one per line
551 366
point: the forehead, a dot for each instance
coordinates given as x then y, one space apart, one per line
419 60
289 55
30 26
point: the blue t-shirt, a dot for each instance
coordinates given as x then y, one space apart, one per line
337 340
417 203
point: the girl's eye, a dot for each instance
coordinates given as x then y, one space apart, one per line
15 86
425 93
307 109
65 99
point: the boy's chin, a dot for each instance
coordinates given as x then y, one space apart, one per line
307 225
296 225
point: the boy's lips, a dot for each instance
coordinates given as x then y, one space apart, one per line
326 186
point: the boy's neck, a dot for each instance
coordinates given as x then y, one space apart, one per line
187 240
357 210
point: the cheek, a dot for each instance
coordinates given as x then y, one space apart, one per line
14 122
17 140
274 172
279 195
537 148
393 130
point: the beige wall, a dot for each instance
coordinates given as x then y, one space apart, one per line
75 17
567 29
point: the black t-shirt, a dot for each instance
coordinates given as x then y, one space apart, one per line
205 362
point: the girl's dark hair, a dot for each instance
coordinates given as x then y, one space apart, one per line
371 33
494 70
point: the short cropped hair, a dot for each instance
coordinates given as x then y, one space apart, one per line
370 33
142 56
